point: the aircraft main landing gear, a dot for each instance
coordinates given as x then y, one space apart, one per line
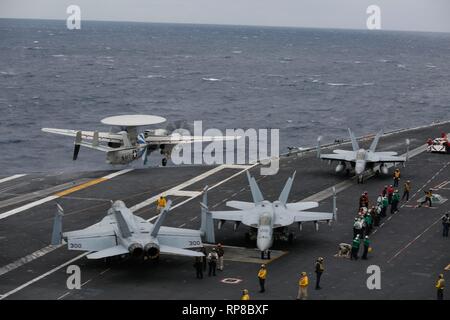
164 162
291 238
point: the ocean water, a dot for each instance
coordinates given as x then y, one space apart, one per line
305 82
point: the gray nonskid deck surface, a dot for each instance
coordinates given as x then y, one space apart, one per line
408 247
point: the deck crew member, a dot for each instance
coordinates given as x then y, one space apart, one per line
395 201
245 295
390 193
262 274
319 270
406 190
355 248
366 244
396 177
440 284
445 225
220 253
428 195
303 287
161 203
212 261
198 267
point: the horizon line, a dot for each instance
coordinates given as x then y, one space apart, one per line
235 25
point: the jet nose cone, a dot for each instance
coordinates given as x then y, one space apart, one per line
262 244
359 168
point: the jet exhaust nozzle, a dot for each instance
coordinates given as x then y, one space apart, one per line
135 249
151 250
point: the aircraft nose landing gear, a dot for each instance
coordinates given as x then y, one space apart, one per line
265 255
360 179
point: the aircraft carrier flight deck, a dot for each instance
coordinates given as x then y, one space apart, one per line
408 246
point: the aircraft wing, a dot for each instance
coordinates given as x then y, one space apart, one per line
232 215
241 205
343 155
97 237
180 139
301 206
178 251
89 135
179 237
377 157
110 252
305 216
247 217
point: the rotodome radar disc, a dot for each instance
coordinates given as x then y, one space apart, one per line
133 120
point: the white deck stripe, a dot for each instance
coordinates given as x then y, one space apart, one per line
27 206
16 176
20 262
53 197
414 240
42 276
182 193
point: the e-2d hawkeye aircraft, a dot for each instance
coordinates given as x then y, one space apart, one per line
360 159
269 221
123 144
123 233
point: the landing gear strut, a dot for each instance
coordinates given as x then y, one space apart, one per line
265 254
360 179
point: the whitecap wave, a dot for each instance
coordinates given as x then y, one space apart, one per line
350 84
211 79
338 84
155 76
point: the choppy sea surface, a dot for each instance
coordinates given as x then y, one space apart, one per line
305 82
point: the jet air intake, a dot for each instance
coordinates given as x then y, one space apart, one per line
135 250
340 167
151 250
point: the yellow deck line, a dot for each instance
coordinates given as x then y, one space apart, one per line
80 187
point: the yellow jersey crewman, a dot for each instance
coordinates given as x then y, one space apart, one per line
440 284
303 287
262 274
161 203
245 295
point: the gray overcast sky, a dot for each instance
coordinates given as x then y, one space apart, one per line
417 15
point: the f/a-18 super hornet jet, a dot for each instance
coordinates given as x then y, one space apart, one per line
123 233
124 144
361 159
270 220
